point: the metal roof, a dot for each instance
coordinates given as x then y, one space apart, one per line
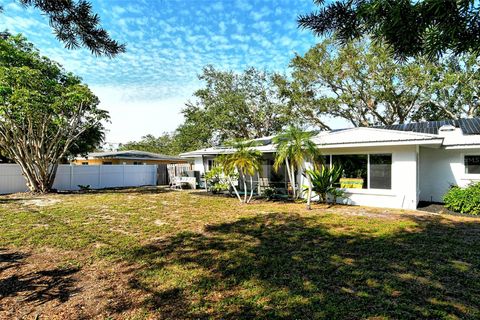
468 126
361 135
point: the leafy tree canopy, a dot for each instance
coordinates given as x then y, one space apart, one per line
76 25
411 28
233 105
43 112
362 83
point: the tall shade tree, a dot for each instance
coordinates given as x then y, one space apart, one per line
245 160
362 83
43 111
76 25
236 105
411 28
455 90
294 148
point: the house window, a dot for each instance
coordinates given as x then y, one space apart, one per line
355 170
380 171
472 164
84 163
363 171
324 160
210 164
136 163
107 162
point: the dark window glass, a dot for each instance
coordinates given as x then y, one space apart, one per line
472 164
354 170
324 160
107 162
380 171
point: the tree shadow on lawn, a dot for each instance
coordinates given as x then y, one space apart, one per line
37 287
286 266
124 190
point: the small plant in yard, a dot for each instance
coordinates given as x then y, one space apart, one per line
216 179
269 192
464 200
323 182
85 187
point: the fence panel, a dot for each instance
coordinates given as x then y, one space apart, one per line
11 179
69 177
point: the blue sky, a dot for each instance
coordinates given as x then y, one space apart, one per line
168 43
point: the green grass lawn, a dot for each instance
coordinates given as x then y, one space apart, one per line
150 253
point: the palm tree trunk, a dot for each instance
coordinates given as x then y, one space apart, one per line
244 187
290 176
251 189
234 189
309 195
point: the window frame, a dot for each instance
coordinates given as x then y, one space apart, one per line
368 154
469 175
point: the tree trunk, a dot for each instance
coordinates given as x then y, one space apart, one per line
235 189
251 189
309 195
290 177
244 187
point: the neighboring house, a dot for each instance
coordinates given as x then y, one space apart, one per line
126 157
397 165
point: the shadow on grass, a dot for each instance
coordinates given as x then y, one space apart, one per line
123 190
37 287
286 266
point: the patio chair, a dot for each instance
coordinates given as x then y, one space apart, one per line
176 183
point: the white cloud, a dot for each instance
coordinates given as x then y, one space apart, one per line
243 5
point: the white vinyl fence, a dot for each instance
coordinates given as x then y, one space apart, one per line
69 177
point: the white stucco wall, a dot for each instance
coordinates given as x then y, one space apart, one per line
403 194
440 168
198 165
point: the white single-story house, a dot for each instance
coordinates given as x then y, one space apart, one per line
398 165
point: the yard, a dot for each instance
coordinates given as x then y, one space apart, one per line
154 253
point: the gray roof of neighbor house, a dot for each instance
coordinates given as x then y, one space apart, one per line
468 126
133 155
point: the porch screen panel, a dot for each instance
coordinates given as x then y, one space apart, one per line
380 171
472 164
355 167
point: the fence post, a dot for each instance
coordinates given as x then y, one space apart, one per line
99 176
71 176
123 173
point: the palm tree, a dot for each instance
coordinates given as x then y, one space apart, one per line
246 161
294 148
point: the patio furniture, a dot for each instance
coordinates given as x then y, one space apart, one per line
181 182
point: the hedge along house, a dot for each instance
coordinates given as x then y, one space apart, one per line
393 166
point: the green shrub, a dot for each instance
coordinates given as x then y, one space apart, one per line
464 200
269 192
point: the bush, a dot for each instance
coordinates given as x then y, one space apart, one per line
464 200
269 192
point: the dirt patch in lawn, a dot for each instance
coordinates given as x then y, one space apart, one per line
64 285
